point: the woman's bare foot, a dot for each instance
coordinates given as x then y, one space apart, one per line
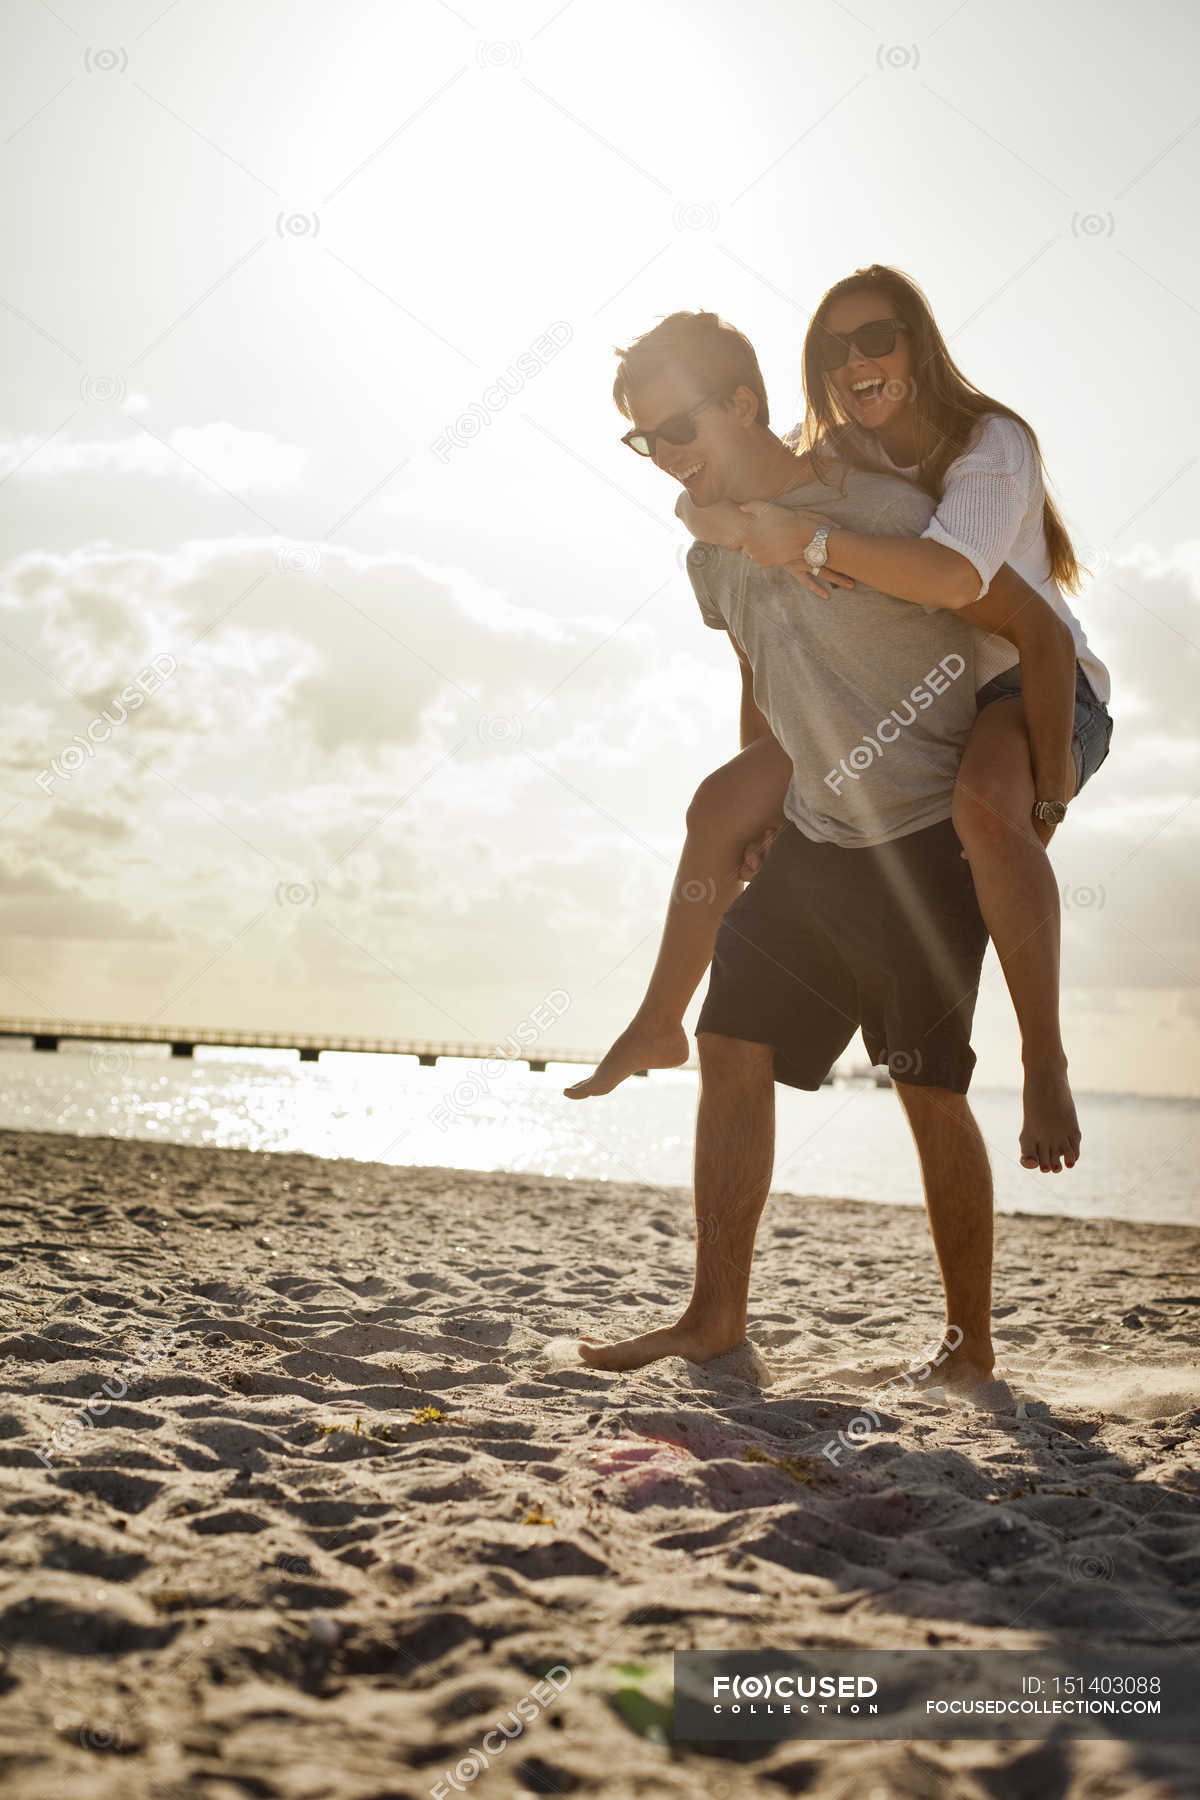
696 1343
1050 1133
638 1047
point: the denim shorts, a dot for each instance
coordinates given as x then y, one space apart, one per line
1093 721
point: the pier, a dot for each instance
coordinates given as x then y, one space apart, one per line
48 1034
183 1040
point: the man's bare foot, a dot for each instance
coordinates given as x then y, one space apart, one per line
638 1047
695 1343
961 1368
1050 1130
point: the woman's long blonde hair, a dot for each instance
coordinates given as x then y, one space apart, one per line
946 406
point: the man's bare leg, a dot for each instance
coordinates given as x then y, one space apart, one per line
958 1197
735 1153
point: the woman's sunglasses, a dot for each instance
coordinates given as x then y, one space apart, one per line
876 338
678 429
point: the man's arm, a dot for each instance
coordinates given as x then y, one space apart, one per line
723 523
752 722
1014 610
753 727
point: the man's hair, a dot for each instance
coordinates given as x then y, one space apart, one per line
718 357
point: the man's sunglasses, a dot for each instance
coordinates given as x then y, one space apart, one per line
678 429
876 338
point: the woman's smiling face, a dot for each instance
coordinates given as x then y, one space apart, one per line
875 390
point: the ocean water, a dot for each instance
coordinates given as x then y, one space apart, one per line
1141 1157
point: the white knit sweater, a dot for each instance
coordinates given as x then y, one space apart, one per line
991 513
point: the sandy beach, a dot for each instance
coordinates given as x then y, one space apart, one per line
351 1497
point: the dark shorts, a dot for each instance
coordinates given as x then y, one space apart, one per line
1093 721
826 940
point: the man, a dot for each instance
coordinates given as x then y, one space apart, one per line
864 913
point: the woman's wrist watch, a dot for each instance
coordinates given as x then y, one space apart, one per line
815 554
1050 812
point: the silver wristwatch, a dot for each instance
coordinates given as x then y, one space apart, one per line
816 555
1050 812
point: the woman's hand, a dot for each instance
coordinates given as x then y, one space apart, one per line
774 535
777 537
755 854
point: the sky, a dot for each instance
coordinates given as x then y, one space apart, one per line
307 447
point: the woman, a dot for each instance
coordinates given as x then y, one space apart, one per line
882 391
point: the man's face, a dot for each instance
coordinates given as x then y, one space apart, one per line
709 465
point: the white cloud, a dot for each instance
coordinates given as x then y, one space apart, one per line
35 902
470 797
241 460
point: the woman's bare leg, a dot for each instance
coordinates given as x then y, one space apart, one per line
1018 897
731 808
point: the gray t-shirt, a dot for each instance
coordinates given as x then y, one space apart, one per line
873 698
